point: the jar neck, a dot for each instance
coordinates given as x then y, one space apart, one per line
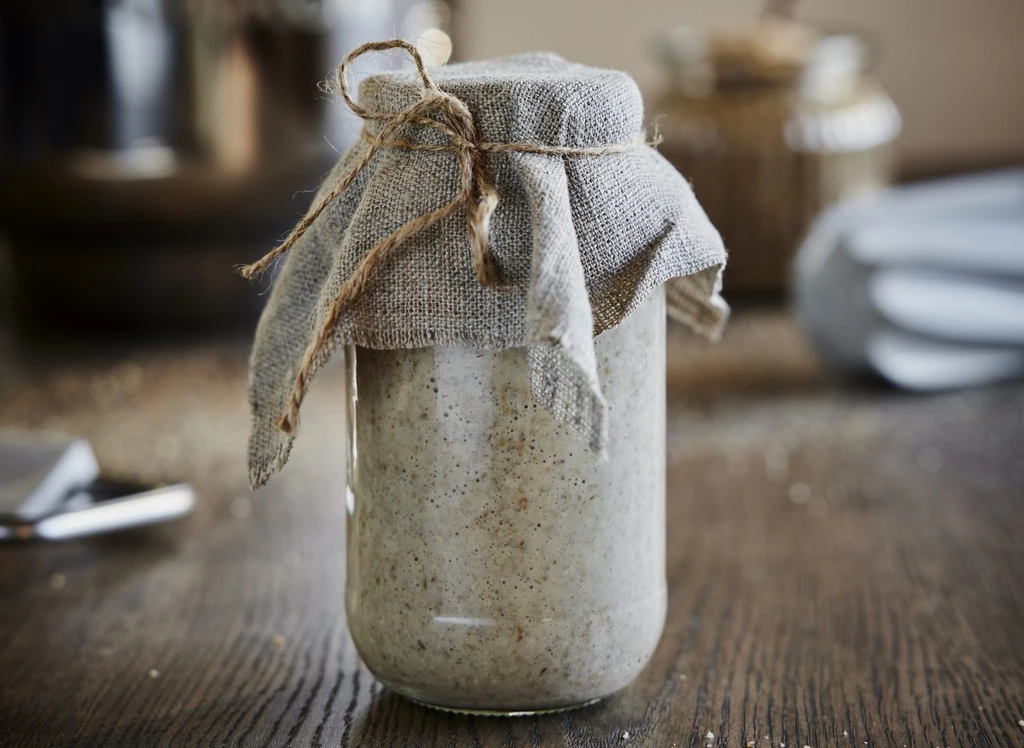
816 84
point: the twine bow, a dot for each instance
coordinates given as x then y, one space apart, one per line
441 111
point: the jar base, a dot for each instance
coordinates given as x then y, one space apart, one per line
497 712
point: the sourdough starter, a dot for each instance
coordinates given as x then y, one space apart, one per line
496 563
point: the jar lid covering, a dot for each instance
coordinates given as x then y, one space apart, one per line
576 239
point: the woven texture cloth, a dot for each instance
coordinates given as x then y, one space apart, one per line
578 242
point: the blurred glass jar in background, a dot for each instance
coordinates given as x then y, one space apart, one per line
771 124
148 146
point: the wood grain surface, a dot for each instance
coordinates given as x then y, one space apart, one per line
846 568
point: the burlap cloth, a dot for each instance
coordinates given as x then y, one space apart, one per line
578 242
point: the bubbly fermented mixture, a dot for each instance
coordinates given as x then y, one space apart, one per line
495 563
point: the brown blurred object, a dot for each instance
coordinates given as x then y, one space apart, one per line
147 147
771 124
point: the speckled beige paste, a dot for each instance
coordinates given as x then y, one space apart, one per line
495 562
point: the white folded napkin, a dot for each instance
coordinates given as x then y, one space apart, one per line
923 285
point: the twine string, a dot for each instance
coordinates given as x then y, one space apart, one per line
447 114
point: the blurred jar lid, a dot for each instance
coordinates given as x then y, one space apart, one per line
772 52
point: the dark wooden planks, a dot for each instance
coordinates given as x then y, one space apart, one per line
846 567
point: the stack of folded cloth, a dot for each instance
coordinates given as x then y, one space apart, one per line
922 285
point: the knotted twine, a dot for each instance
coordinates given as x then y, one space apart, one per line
447 114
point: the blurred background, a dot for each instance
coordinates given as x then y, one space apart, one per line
149 145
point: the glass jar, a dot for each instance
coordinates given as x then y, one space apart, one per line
495 563
770 140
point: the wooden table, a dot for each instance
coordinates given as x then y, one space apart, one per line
846 568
